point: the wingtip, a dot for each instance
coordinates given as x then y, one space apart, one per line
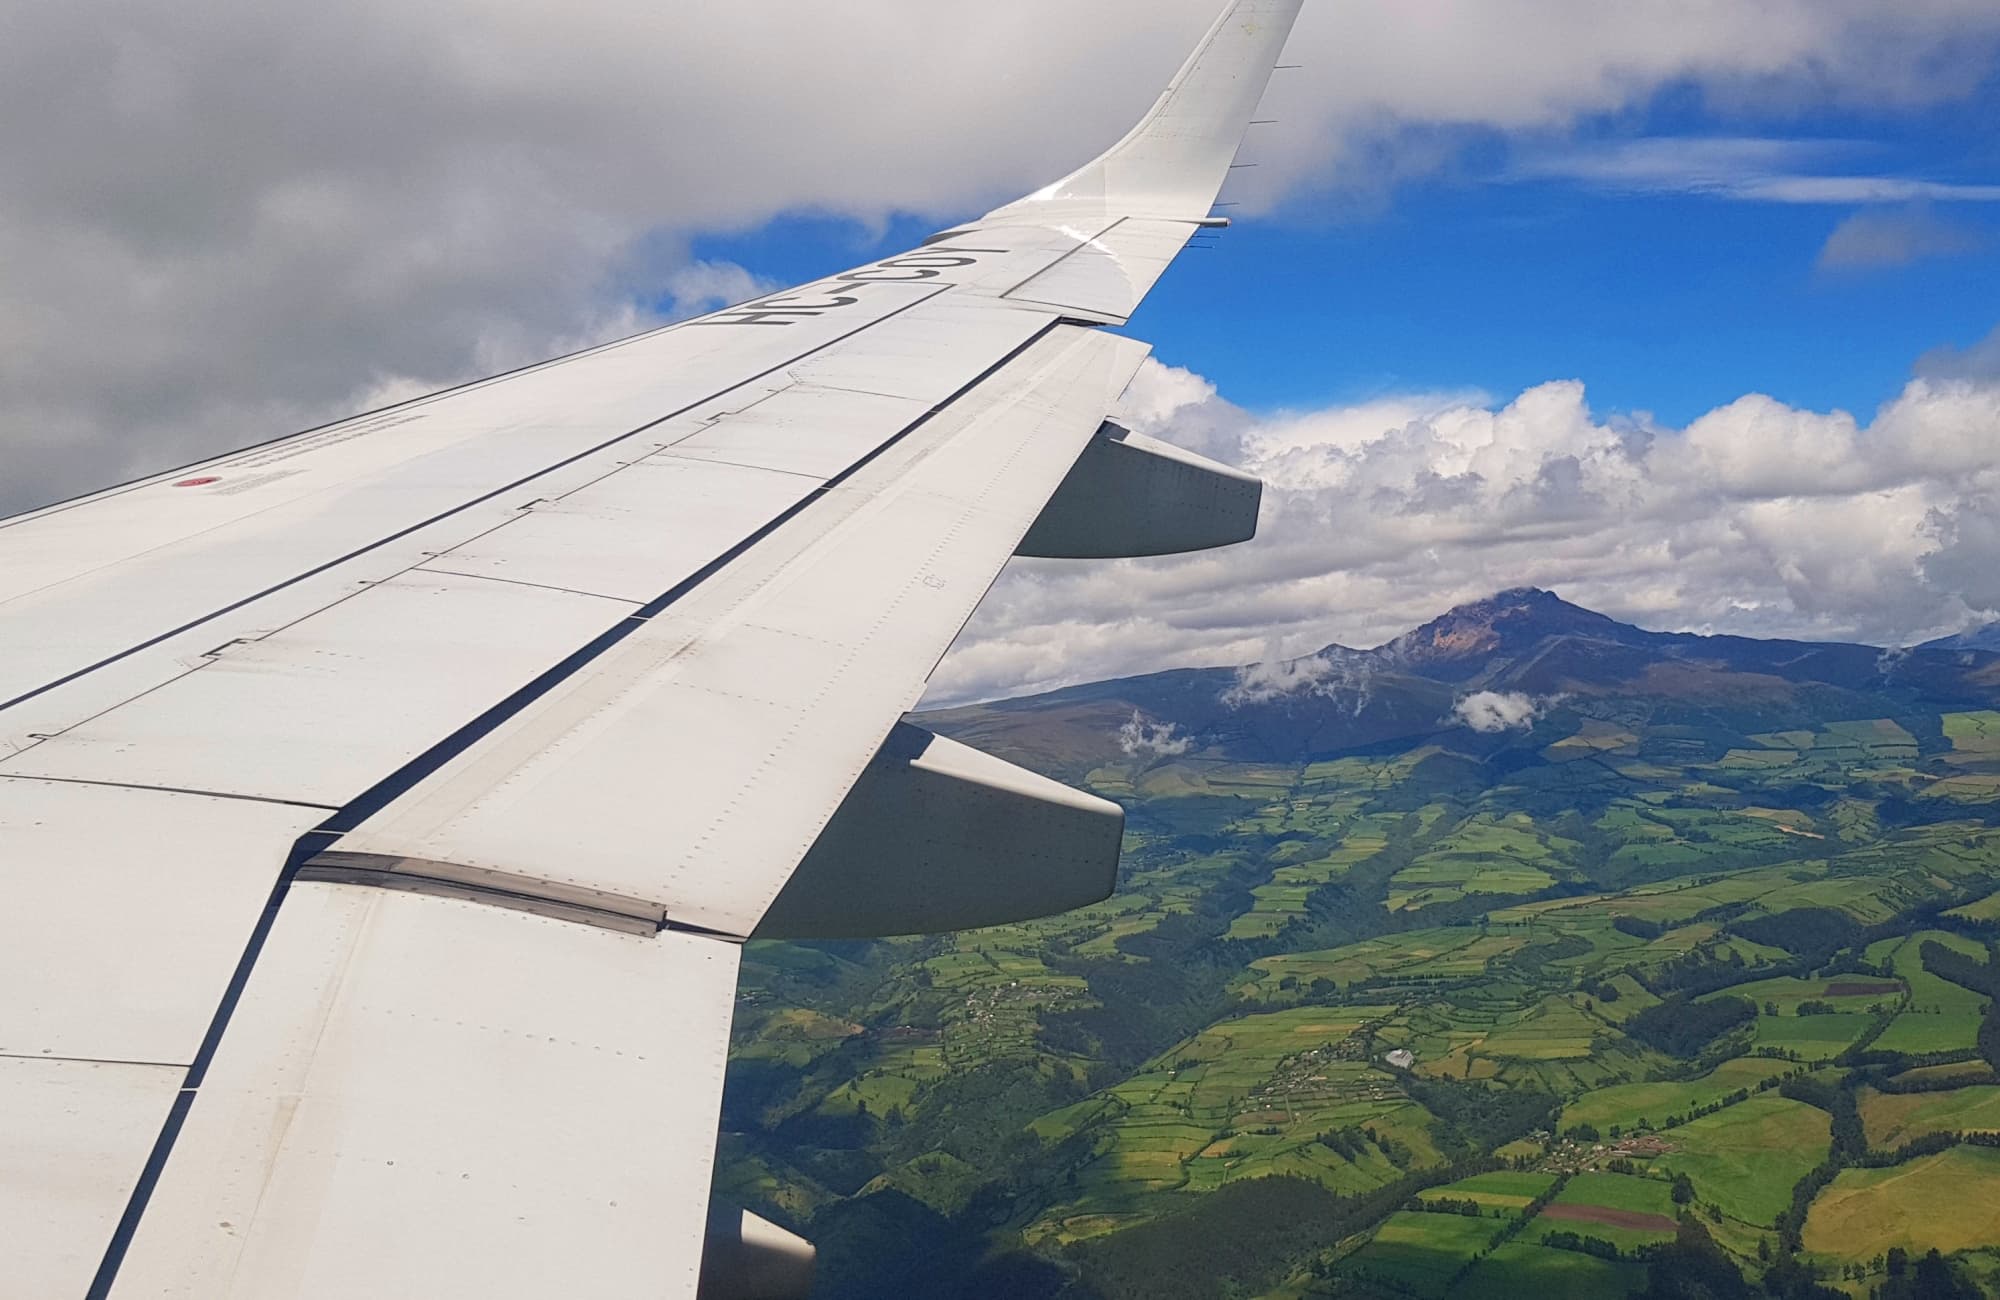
1174 162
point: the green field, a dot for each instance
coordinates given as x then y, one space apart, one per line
1787 993
1631 1105
1973 733
1812 1039
1612 1199
1941 1016
1307 894
1422 1253
1986 909
1950 1201
1499 1191
1893 1119
1745 1159
1417 955
1519 1270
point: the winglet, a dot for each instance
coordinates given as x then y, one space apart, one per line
1174 162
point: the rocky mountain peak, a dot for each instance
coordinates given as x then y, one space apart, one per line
1504 623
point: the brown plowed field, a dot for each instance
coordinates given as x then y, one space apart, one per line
1860 989
1637 1220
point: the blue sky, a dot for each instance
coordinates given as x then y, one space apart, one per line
1488 277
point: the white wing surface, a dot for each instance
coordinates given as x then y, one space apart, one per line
382 808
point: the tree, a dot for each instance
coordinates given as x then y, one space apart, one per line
1693 1267
1683 1189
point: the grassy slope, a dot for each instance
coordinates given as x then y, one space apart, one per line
1506 991
1950 1201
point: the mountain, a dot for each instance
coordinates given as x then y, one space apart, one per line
1984 637
1561 661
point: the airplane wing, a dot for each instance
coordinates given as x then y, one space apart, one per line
382 808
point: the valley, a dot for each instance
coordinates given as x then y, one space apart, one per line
1532 954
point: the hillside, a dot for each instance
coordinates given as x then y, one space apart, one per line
1530 951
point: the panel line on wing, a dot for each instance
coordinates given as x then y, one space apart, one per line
516 485
167 789
91 1060
401 781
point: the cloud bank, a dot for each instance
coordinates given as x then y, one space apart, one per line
223 221
1759 518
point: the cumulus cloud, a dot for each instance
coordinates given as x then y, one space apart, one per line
1759 519
705 286
226 220
1492 712
1157 739
1869 240
1332 674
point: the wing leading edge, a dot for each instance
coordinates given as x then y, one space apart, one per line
387 803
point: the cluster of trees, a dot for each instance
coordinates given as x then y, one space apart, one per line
1240 1239
1471 1209
1638 927
1849 1147
1692 1267
1804 931
1244 1235
1474 1116
1582 1245
1531 960
1682 1027
1349 1142
1933 1278
1705 971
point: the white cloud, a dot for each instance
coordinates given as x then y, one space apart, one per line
1329 675
1749 169
1158 739
1492 712
1883 239
706 286
1759 519
224 220
1977 364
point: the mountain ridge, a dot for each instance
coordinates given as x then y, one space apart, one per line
1562 660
